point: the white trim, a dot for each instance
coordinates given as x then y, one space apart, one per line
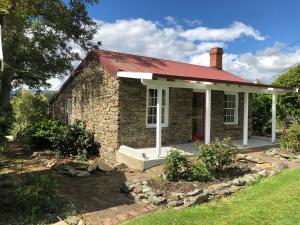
245 127
274 99
135 75
158 121
236 111
213 86
207 116
166 118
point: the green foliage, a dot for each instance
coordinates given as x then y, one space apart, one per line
217 154
290 140
261 114
289 104
37 196
201 172
29 109
178 166
67 141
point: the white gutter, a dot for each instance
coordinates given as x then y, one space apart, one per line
135 75
1 53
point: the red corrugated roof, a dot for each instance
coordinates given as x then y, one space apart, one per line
116 61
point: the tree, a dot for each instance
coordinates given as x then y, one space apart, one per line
29 109
39 37
289 104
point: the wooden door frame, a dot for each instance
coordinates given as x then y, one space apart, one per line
201 136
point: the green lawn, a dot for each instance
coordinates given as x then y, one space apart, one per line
273 201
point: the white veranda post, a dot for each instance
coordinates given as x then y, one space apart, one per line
158 121
207 115
274 99
245 127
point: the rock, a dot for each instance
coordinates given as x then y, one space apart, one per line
92 167
252 159
146 188
72 220
159 193
239 182
271 152
83 174
240 156
119 166
145 182
104 166
138 188
81 222
249 178
51 164
60 223
158 200
177 195
282 166
175 203
263 173
41 154
126 187
234 189
217 187
195 192
286 156
190 201
141 196
68 170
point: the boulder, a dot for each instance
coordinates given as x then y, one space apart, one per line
195 192
104 166
83 174
177 195
92 167
239 182
119 166
263 173
126 187
175 203
157 200
68 170
72 220
193 200
138 188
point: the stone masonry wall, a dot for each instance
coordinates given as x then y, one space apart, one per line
96 102
133 131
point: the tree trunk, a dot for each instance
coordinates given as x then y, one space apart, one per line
5 89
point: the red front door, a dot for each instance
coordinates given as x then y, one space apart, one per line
198 116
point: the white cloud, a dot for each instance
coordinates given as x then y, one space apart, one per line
170 20
192 22
234 31
150 38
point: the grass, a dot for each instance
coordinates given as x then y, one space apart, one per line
273 201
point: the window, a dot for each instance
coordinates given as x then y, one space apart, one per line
231 108
151 107
69 111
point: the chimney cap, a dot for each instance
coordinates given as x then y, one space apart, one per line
216 50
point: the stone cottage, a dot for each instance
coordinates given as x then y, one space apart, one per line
137 102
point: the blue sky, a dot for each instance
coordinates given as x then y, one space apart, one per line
249 32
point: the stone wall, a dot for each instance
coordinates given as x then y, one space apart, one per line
96 102
133 131
218 128
115 110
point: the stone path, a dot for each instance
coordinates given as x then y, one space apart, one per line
118 214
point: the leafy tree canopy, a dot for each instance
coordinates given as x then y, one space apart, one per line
39 37
289 104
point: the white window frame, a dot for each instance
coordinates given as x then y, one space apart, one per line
166 119
69 113
236 111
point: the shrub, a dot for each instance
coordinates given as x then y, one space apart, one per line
178 167
37 196
200 172
67 141
217 154
290 140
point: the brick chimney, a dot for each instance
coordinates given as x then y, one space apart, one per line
216 58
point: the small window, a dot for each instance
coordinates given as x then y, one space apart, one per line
69 111
151 107
231 108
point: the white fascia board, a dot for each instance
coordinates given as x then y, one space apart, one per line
135 75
